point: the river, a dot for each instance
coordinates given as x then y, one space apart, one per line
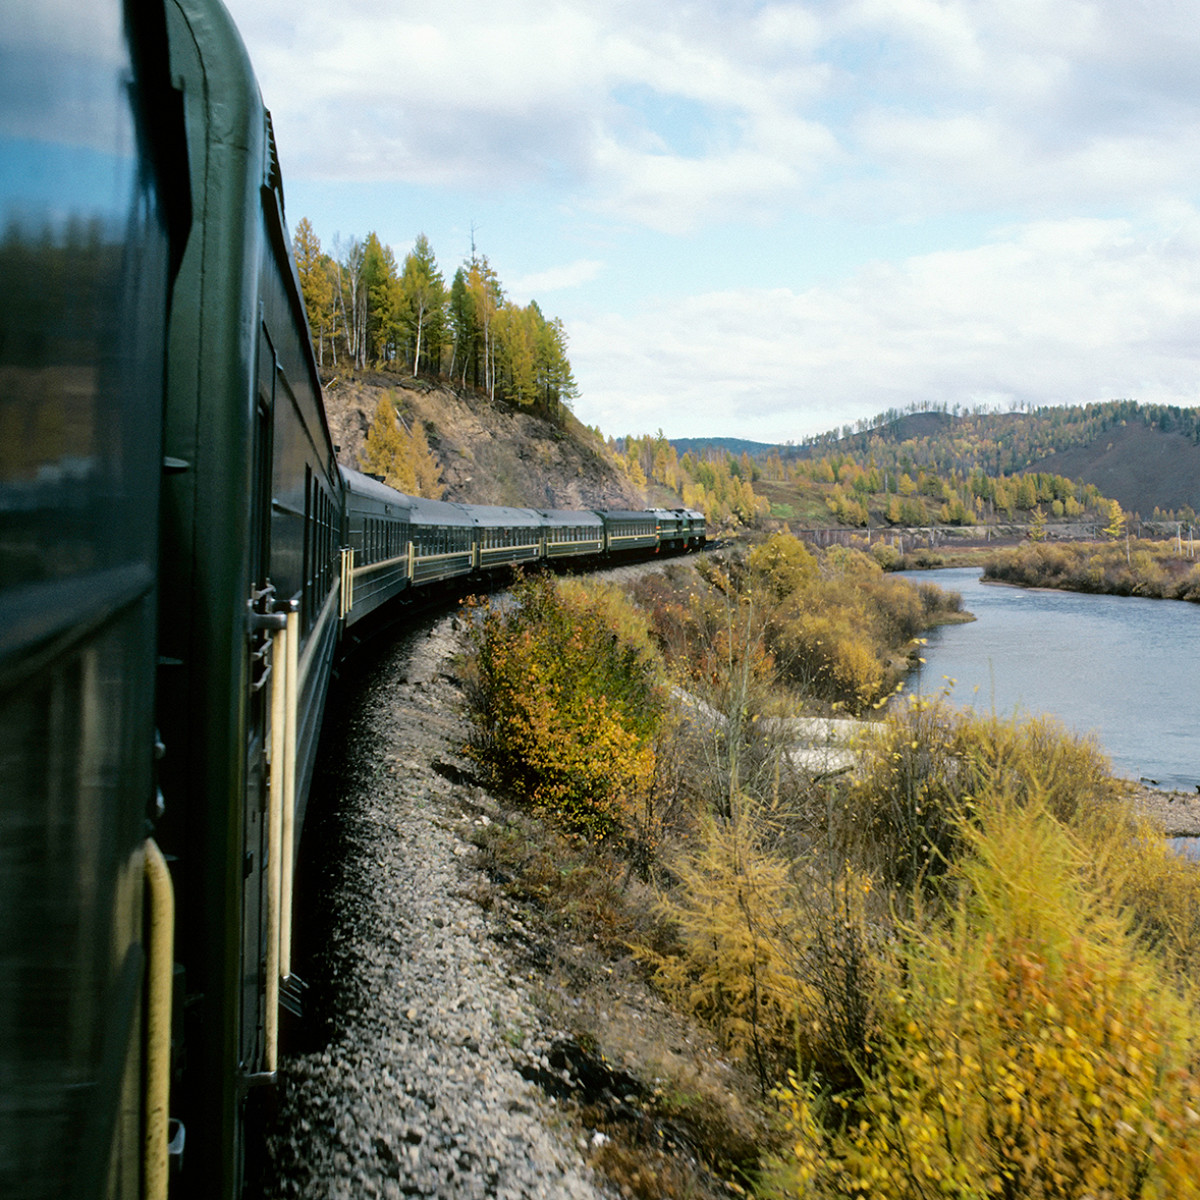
1124 669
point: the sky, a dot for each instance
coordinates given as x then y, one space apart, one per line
768 220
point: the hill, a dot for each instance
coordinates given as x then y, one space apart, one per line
969 466
1141 466
1146 457
700 447
490 452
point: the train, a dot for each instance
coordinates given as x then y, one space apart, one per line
182 562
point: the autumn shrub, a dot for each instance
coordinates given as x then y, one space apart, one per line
782 565
733 912
829 626
841 629
886 555
1135 568
904 806
824 652
775 962
1188 587
926 762
1029 1046
1159 889
566 700
976 966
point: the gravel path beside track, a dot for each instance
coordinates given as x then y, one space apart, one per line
417 1087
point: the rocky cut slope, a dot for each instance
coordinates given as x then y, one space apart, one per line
490 453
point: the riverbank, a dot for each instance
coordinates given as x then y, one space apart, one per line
1178 813
1157 570
1120 668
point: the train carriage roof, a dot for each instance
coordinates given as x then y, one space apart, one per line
570 516
368 486
439 513
494 516
625 514
418 509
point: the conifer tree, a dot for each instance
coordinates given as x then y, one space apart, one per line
422 293
1037 525
1116 521
402 459
382 285
316 284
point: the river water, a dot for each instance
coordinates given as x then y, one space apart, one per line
1124 669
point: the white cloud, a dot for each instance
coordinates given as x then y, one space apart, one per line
914 106
555 279
1064 311
675 194
617 126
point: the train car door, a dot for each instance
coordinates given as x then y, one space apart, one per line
263 619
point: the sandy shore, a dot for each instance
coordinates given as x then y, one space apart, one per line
1177 812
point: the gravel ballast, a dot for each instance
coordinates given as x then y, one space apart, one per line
417 1089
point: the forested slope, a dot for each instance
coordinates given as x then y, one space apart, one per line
1144 456
487 452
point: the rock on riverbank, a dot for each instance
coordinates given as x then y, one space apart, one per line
1178 813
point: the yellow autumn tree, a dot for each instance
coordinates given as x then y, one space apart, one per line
399 456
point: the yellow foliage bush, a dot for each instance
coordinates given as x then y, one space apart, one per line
735 914
926 763
1135 568
1029 1045
829 656
783 565
830 626
566 701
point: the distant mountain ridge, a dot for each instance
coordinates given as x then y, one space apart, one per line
735 446
1144 456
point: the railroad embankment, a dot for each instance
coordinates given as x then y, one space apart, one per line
489 453
461 1042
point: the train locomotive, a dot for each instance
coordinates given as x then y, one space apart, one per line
182 560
